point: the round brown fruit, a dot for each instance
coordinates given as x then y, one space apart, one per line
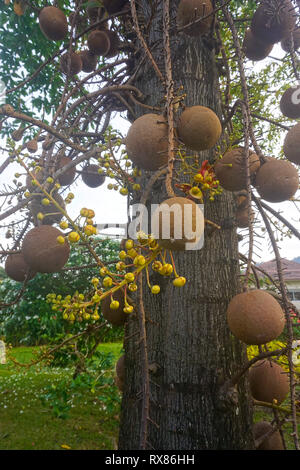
114 44
199 128
89 61
255 317
286 43
71 63
291 145
91 177
32 146
272 24
272 442
53 23
98 43
191 10
115 317
147 142
254 48
241 215
52 215
190 225
231 171
68 176
290 103
277 180
17 269
41 250
113 6
268 382
119 383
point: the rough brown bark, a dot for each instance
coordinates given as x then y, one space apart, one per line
187 334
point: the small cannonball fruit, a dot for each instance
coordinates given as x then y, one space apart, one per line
17 269
199 128
53 23
290 103
115 317
91 177
254 48
277 180
241 215
273 440
98 43
68 176
286 43
41 250
291 145
190 10
71 63
147 142
268 381
114 44
89 61
272 23
177 224
231 169
255 317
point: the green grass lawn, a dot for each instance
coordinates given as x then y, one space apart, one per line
25 423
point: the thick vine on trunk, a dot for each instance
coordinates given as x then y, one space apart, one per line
190 350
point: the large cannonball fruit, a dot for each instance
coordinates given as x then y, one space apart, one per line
115 317
272 441
291 145
268 381
271 24
41 250
231 169
190 10
254 48
255 317
68 176
89 61
277 180
179 222
98 43
53 23
91 177
286 43
199 128
71 63
290 103
17 269
147 142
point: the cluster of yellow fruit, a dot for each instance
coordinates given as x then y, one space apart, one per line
85 226
74 307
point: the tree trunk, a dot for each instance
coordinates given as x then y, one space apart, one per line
188 340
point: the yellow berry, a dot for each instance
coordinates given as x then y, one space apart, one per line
45 202
128 309
139 260
136 187
120 266
64 225
107 281
50 179
122 255
40 216
179 281
60 239
84 212
114 305
129 244
129 277
155 289
132 287
73 237
124 191
95 281
96 298
103 271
